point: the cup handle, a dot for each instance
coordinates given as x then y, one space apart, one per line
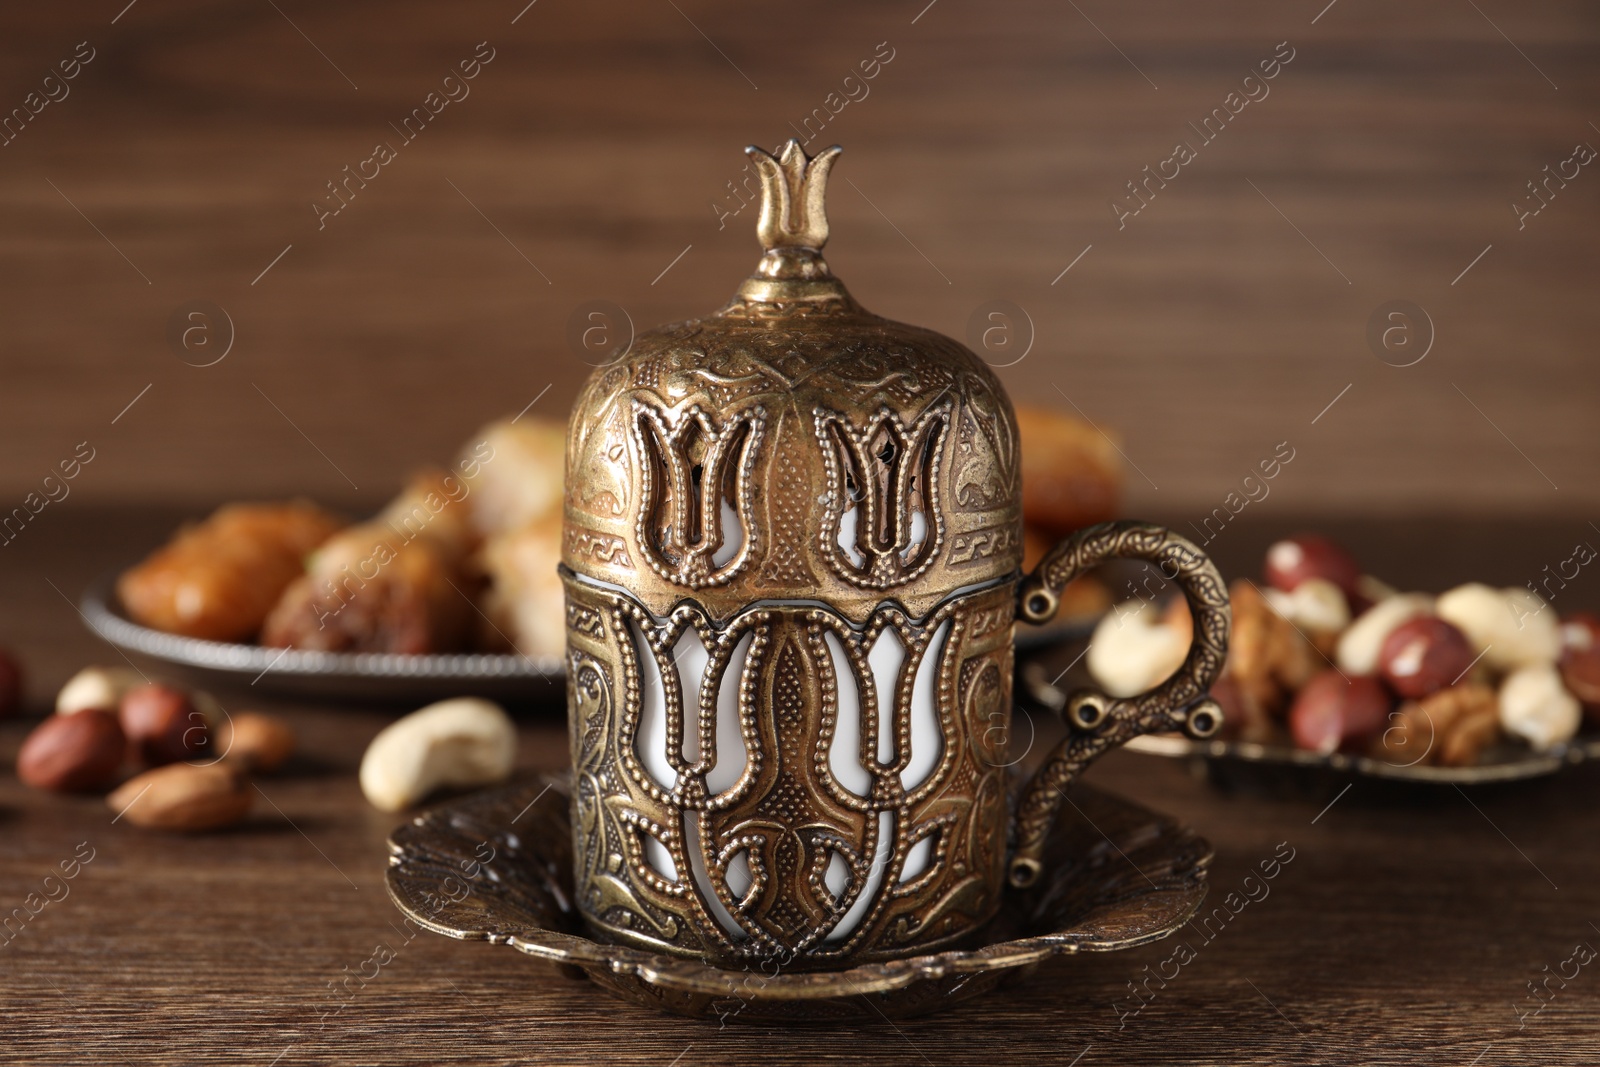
1097 722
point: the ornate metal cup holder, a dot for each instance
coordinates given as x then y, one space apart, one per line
496 866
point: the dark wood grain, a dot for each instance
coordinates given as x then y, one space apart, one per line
1404 930
981 163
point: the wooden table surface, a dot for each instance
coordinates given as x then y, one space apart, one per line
1404 931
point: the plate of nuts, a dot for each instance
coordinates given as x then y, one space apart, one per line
1332 668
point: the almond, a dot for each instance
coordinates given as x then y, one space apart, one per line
259 742
183 797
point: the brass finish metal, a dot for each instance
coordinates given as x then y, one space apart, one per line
1099 722
796 410
497 866
788 813
793 536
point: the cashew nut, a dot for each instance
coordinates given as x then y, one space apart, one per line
1537 708
97 687
1316 604
1133 651
1509 626
454 743
1360 644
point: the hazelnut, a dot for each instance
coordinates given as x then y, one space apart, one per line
260 742
1294 559
1422 655
10 685
73 753
1133 650
162 724
183 797
1360 644
1580 632
1512 624
96 687
1535 707
1580 661
1334 713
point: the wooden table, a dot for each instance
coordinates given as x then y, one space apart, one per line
1405 930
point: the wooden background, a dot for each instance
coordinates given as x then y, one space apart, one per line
981 164
1224 319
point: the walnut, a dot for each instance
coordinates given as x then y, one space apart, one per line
1472 734
1449 728
1268 658
1243 717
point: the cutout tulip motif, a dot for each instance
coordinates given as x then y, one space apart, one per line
694 509
884 525
697 745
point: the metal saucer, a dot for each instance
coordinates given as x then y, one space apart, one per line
496 866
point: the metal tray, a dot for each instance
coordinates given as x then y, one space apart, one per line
1228 762
375 676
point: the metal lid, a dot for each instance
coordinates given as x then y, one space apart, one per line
793 446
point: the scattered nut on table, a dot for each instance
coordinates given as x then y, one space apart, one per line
260 742
97 687
73 753
1537 708
1511 627
162 724
1360 645
183 797
454 743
